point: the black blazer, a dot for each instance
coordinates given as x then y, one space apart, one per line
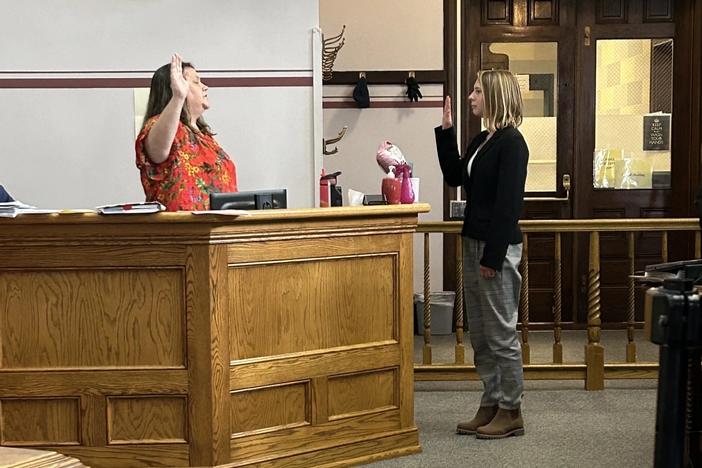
494 191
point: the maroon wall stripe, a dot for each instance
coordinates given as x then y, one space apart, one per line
240 82
382 104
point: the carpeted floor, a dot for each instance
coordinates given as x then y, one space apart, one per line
566 426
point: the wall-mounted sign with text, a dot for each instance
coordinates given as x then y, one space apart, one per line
656 132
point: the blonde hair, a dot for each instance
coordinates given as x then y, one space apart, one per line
502 98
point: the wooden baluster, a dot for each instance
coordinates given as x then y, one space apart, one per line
458 304
524 301
426 351
557 303
631 301
697 244
594 351
664 246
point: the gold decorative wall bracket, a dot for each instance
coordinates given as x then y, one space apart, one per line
332 141
332 46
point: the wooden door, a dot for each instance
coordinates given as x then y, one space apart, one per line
628 60
536 41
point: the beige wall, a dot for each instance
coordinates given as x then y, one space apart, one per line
386 34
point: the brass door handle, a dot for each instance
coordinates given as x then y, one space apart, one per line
566 186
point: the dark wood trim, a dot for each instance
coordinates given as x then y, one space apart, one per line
102 83
451 84
534 21
395 104
390 77
470 125
548 326
685 164
622 17
696 98
450 89
522 34
519 13
668 17
485 20
687 119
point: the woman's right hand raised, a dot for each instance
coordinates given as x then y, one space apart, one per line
447 118
179 85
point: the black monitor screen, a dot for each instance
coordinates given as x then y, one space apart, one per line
252 200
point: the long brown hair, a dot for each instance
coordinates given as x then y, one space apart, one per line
160 95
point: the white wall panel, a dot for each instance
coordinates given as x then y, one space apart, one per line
269 137
142 34
69 148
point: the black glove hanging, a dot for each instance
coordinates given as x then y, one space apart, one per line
360 93
413 93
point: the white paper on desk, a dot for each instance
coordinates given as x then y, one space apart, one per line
23 211
16 208
15 204
131 208
222 212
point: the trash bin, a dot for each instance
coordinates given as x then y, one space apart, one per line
441 303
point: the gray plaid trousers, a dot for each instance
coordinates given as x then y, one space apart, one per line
492 308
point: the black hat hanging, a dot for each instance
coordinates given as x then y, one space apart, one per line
360 92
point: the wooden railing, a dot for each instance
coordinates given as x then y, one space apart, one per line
594 370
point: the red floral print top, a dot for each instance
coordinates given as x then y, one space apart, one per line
196 166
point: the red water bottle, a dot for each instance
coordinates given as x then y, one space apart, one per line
324 200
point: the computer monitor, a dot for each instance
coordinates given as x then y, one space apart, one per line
251 200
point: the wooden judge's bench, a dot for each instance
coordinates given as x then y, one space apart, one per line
283 338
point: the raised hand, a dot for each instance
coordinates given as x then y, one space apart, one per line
179 85
447 118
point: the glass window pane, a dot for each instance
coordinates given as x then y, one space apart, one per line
536 66
633 110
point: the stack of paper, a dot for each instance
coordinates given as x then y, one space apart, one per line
14 208
131 208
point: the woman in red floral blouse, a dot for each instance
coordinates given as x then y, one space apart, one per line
179 160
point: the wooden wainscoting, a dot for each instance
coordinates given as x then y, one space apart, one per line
315 334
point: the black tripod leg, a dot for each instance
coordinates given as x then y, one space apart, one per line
670 408
695 407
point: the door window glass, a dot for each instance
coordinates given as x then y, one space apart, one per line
535 65
633 113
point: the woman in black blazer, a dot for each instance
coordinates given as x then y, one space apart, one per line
492 172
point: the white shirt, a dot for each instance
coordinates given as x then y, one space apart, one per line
472 158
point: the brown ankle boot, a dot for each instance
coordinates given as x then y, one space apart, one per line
505 423
482 417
